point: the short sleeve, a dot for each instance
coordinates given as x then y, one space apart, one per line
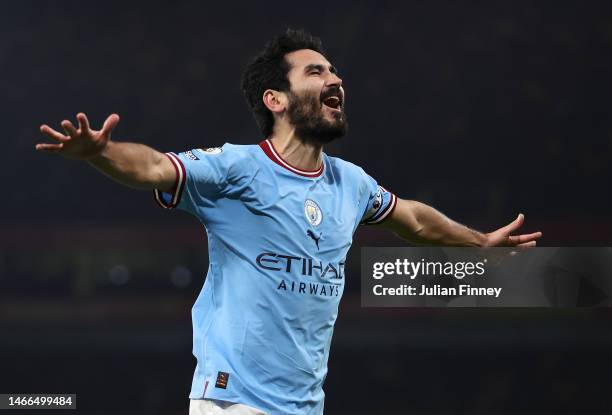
380 203
205 175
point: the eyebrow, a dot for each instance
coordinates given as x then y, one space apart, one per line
320 68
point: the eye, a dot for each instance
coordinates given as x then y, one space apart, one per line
315 72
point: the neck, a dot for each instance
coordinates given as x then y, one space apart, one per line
299 152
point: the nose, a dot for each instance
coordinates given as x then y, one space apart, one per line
334 80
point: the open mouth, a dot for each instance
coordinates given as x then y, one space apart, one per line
334 102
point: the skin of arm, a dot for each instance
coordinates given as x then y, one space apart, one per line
423 225
133 165
136 165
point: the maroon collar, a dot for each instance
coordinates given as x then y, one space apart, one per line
268 148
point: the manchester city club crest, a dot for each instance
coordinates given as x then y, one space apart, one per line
313 213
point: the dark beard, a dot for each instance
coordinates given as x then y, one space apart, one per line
306 115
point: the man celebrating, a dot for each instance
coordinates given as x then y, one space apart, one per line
280 217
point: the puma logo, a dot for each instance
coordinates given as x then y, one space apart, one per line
314 237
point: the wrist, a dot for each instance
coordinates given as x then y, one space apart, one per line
476 239
101 154
483 240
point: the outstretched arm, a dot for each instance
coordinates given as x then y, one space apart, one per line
422 224
131 164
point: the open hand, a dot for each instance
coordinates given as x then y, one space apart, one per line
82 143
503 237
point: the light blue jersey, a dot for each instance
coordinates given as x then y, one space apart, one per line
277 238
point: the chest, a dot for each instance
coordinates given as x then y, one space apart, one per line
316 217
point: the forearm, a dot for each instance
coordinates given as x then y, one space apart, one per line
422 224
134 165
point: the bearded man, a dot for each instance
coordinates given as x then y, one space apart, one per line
280 217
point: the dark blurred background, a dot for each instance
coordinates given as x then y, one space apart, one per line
483 109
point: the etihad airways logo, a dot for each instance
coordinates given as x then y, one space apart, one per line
303 266
307 267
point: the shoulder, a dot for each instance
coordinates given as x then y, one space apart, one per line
229 155
227 151
353 176
346 168
229 162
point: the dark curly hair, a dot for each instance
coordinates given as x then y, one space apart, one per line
268 70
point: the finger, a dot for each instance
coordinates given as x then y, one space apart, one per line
50 148
69 128
83 122
515 224
530 244
519 239
51 133
110 124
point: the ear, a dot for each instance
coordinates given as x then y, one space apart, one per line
275 101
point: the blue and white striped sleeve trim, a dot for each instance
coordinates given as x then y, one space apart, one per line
171 200
380 207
